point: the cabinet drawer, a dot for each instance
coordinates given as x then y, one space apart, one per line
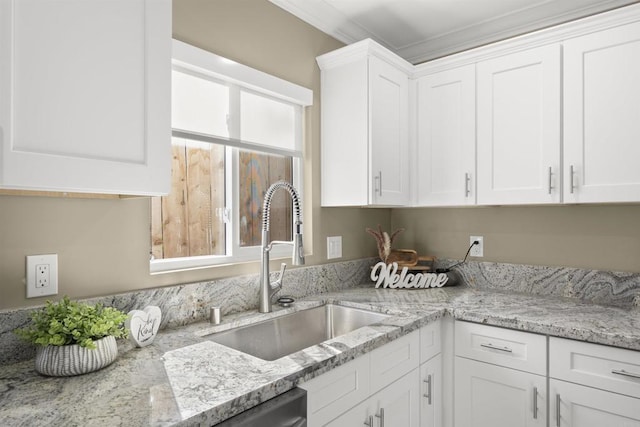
340 389
514 349
600 366
393 360
430 343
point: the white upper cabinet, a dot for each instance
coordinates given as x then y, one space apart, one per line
519 127
545 118
601 116
85 95
446 136
365 126
389 128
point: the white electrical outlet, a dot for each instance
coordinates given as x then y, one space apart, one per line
42 275
477 250
334 247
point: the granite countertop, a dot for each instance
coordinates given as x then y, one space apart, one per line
183 379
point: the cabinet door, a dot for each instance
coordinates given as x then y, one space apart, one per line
581 406
360 415
334 392
389 133
519 128
85 92
395 359
396 405
494 396
345 135
399 403
431 393
446 137
601 122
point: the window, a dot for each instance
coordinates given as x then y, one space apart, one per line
236 131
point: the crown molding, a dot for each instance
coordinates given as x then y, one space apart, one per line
323 16
520 23
359 50
556 34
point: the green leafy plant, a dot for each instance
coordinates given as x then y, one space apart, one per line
69 322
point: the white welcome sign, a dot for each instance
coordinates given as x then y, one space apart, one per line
386 275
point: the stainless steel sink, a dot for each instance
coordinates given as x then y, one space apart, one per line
284 335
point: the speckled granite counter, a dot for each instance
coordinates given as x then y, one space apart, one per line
184 379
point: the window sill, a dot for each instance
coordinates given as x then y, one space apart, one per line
173 265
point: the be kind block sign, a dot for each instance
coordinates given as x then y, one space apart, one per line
386 276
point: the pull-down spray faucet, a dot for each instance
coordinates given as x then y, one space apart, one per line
268 289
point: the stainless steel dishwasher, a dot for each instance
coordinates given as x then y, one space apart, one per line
286 410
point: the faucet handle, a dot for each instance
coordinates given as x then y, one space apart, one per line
277 285
283 267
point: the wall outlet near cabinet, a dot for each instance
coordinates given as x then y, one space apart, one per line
42 275
334 247
477 250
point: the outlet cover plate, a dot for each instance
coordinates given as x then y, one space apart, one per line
35 264
477 250
334 247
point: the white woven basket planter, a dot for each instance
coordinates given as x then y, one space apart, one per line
68 360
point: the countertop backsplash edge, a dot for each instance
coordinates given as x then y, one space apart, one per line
189 303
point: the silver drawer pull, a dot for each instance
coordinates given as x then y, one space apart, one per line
369 422
558 419
535 403
495 347
625 373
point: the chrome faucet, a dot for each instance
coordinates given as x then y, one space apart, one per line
268 289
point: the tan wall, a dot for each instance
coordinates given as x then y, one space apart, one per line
103 245
601 237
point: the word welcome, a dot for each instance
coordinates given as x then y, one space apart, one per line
388 277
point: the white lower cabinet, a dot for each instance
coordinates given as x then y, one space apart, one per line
503 378
500 377
593 385
495 396
384 387
431 392
574 405
395 405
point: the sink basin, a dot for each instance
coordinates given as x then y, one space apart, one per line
284 335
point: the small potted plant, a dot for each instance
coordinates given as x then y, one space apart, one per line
74 338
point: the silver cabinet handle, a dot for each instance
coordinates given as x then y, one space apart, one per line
557 410
550 175
625 373
369 421
467 181
428 393
495 347
381 416
535 403
571 185
378 178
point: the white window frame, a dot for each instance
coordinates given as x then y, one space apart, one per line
240 78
